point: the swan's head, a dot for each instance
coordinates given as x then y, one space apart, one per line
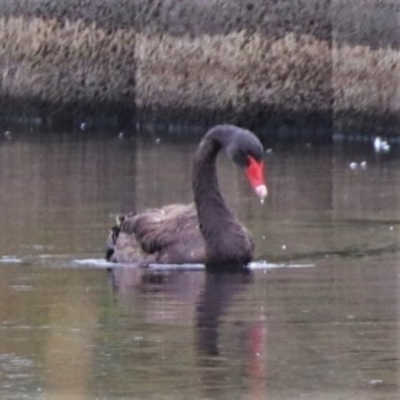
246 150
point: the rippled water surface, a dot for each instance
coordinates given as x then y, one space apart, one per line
316 318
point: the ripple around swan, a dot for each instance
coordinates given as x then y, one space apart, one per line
256 265
63 262
10 260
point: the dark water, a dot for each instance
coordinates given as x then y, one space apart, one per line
318 320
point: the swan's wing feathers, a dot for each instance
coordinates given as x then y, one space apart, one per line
157 229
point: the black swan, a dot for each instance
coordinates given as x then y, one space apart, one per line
205 231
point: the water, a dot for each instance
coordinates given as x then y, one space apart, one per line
317 318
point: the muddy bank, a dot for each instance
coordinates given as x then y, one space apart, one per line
330 63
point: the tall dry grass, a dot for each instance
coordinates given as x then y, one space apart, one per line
64 62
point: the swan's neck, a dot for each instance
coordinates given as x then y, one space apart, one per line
215 218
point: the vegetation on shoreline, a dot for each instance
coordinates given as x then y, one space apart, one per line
64 63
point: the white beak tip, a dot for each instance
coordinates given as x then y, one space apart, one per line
261 191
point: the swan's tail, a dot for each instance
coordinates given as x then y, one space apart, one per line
113 236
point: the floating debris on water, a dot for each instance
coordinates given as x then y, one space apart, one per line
353 165
381 145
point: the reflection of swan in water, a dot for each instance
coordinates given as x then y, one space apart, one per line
199 298
206 231
202 300
219 357
217 295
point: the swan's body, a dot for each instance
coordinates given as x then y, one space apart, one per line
205 231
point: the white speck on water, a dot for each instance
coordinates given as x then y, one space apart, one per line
363 164
269 151
263 238
381 145
284 247
262 201
353 165
158 140
375 381
391 228
350 317
121 135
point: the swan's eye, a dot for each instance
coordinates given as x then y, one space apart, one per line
239 157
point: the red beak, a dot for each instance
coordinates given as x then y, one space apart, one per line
255 175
